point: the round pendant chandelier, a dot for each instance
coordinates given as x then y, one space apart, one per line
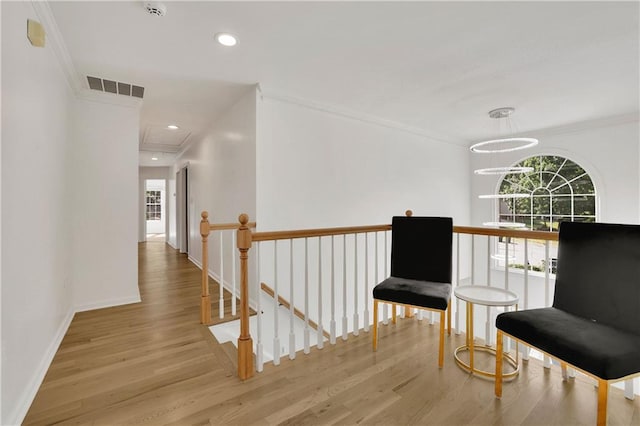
496 146
506 144
503 145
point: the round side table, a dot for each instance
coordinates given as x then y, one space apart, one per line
486 296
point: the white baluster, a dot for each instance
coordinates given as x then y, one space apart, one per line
332 324
526 349
234 251
507 343
276 303
546 359
457 282
628 389
292 335
385 306
259 349
365 318
356 321
319 336
221 281
487 324
306 296
344 288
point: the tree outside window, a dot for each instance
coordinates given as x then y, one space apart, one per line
560 190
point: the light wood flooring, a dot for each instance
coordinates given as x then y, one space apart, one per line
152 363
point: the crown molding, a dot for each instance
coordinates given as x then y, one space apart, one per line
580 126
45 15
359 116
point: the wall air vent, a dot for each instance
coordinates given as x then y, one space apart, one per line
115 87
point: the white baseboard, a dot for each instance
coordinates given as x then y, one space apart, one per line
24 402
109 303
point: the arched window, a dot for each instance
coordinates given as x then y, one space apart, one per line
558 190
555 191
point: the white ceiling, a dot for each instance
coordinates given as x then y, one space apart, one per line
435 66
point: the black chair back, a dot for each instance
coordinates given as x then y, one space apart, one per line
598 275
421 248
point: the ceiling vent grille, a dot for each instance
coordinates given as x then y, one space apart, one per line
115 87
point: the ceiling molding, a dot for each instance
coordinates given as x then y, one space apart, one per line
581 126
45 15
354 115
109 98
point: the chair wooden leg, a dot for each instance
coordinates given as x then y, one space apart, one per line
449 319
498 389
375 325
393 313
603 391
441 348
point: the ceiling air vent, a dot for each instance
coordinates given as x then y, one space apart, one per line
155 8
115 87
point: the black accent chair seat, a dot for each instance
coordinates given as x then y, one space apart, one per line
594 323
421 256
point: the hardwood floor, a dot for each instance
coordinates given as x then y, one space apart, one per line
152 363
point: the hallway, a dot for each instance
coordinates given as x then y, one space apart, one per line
153 363
135 361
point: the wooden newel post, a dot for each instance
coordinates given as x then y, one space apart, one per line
205 301
245 343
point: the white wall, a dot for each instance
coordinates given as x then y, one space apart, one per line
69 206
222 172
607 149
37 300
317 169
145 173
320 169
105 165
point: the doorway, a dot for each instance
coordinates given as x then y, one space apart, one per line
182 184
155 209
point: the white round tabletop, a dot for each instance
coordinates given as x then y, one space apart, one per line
488 296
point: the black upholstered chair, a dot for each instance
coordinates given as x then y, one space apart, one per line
421 253
594 323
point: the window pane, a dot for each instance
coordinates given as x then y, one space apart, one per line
585 205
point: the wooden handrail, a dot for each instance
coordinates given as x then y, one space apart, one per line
226 226
320 232
324 232
502 232
284 302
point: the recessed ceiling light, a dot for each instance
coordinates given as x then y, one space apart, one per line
172 127
154 158
226 39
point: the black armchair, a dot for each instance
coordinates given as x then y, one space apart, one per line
421 255
594 323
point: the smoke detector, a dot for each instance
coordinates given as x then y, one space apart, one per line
155 8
